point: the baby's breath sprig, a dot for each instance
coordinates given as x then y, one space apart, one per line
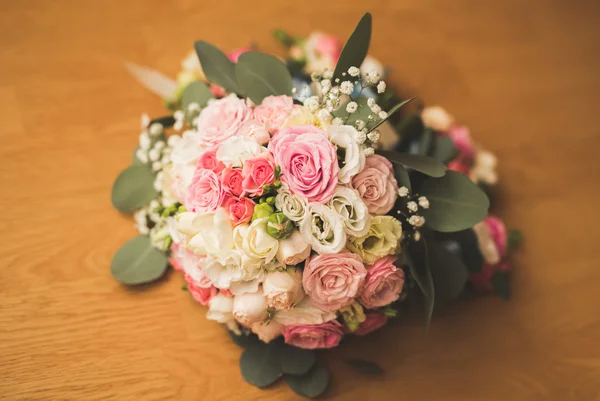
408 212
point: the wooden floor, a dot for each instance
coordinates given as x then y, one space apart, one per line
523 75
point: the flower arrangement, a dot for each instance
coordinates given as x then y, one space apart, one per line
286 217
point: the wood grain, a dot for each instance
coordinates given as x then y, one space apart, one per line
524 77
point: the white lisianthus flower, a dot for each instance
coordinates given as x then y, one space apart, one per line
257 243
250 307
437 118
293 249
303 313
209 233
234 151
346 137
323 229
220 309
349 206
283 289
293 206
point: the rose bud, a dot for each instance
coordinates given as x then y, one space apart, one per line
279 226
250 307
293 249
262 210
283 289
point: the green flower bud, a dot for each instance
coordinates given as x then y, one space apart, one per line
262 210
271 200
389 311
181 209
277 184
267 188
353 315
279 226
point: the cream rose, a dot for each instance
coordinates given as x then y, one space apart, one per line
293 249
303 313
220 309
257 243
437 118
323 229
382 239
348 205
250 307
283 289
344 137
293 206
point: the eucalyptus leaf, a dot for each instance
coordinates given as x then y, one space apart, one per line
411 127
244 340
260 364
425 142
423 164
133 188
365 367
418 264
196 92
501 284
166 121
456 203
356 48
447 270
468 248
391 113
402 176
310 385
444 149
138 262
261 75
296 361
217 67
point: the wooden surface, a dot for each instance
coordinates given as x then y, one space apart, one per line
523 75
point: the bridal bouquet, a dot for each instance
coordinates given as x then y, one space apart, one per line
267 188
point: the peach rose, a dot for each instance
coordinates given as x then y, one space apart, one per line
240 210
383 283
231 179
377 185
273 111
258 171
209 161
222 119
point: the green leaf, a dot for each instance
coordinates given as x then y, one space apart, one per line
356 48
166 121
217 67
423 164
447 270
468 248
456 203
310 385
401 176
365 367
261 75
501 284
245 339
418 264
515 238
195 92
391 113
138 262
296 361
284 38
411 127
133 188
260 364
444 149
425 142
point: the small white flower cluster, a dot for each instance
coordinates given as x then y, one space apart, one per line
189 115
412 207
148 221
152 148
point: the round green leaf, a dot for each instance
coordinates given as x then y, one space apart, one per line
310 385
133 188
424 164
444 149
260 364
138 262
456 203
217 67
296 361
195 92
261 75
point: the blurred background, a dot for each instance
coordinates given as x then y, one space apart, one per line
522 75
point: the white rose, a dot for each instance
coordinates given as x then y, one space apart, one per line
437 118
348 205
345 136
257 243
293 249
220 309
303 313
236 150
484 167
486 242
256 131
177 179
292 206
267 332
210 233
250 307
371 64
323 229
283 289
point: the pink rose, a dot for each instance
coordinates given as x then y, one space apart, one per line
377 185
235 55
222 119
464 145
256 131
383 283
328 45
374 321
209 161
497 231
333 280
231 180
258 171
273 111
201 291
205 193
312 336
240 210
308 161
